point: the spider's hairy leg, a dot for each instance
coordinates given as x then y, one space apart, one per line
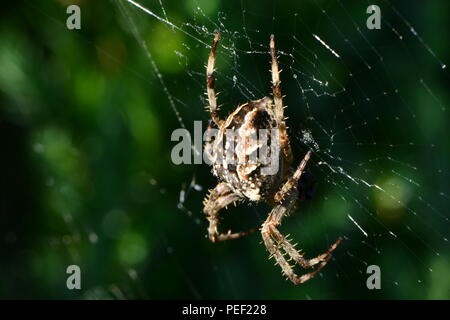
289 248
210 82
273 240
220 197
276 83
292 181
278 101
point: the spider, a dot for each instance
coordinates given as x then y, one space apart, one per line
244 179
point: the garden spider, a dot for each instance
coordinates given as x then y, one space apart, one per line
244 180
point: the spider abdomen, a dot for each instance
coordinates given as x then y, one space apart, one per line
246 151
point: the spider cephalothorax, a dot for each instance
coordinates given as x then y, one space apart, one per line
235 156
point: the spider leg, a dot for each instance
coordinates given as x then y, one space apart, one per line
278 100
289 248
274 240
210 82
220 197
276 87
292 181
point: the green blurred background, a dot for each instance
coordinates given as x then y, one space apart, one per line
87 179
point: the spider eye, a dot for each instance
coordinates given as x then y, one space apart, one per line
306 186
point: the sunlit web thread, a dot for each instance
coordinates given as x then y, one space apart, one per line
379 55
325 13
152 61
164 12
155 68
425 244
427 88
184 193
368 99
296 72
372 215
357 224
326 46
412 182
381 60
416 34
358 29
246 87
370 185
422 220
139 6
427 47
217 25
352 103
361 262
244 25
301 52
372 247
312 77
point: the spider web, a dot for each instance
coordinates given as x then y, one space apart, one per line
342 96
369 103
